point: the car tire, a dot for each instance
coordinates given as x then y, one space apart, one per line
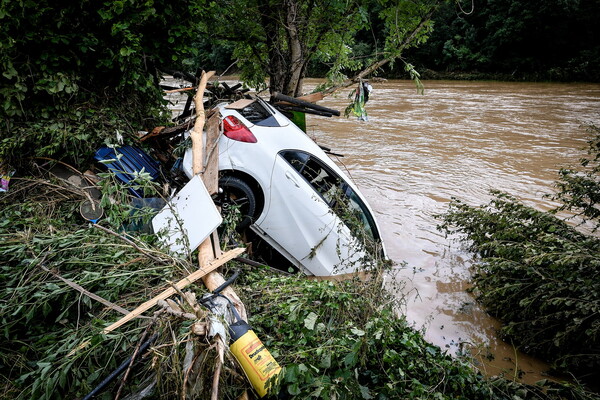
238 193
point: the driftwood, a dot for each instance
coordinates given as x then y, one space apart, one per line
167 132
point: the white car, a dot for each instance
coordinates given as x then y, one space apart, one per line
291 194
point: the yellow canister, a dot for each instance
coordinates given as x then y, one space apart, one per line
257 362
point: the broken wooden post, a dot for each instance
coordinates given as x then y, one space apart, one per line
209 174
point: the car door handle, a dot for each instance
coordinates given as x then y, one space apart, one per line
292 178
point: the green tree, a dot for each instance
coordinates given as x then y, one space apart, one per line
74 73
557 40
279 38
579 189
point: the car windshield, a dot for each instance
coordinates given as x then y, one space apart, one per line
336 192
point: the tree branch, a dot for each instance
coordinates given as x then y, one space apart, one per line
375 66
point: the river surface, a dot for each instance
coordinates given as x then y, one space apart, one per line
458 139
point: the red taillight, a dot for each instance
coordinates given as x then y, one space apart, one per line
235 130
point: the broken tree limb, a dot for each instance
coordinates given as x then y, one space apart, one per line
185 89
218 365
206 269
197 132
209 171
302 103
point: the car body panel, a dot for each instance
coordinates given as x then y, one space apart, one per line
296 220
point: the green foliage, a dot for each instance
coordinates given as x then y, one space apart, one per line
51 342
335 342
75 74
279 39
534 40
579 190
538 274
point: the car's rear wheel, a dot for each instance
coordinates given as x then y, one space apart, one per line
237 194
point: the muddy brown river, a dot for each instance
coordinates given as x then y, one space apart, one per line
459 139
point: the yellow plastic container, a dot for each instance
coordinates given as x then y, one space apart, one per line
257 362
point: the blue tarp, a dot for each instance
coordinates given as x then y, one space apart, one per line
132 159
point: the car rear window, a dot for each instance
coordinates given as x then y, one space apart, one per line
258 114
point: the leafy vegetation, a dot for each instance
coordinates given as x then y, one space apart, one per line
537 273
75 75
335 340
280 39
514 39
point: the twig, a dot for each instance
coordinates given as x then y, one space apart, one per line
170 310
219 364
158 260
133 357
87 293
186 377
180 90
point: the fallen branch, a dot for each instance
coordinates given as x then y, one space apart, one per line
158 260
87 293
219 364
185 89
133 358
207 268
376 65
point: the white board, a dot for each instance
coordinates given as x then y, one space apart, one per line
188 218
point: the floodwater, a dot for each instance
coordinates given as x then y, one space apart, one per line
459 139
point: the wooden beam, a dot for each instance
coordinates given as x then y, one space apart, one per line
206 269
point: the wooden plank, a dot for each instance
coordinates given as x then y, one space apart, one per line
240 104
207 268
211 161
312 97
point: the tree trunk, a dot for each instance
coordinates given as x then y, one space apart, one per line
297 52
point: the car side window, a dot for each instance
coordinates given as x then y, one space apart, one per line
323 180
333 189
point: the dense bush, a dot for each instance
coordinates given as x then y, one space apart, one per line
336 340
539 274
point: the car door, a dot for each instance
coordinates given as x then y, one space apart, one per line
300 219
